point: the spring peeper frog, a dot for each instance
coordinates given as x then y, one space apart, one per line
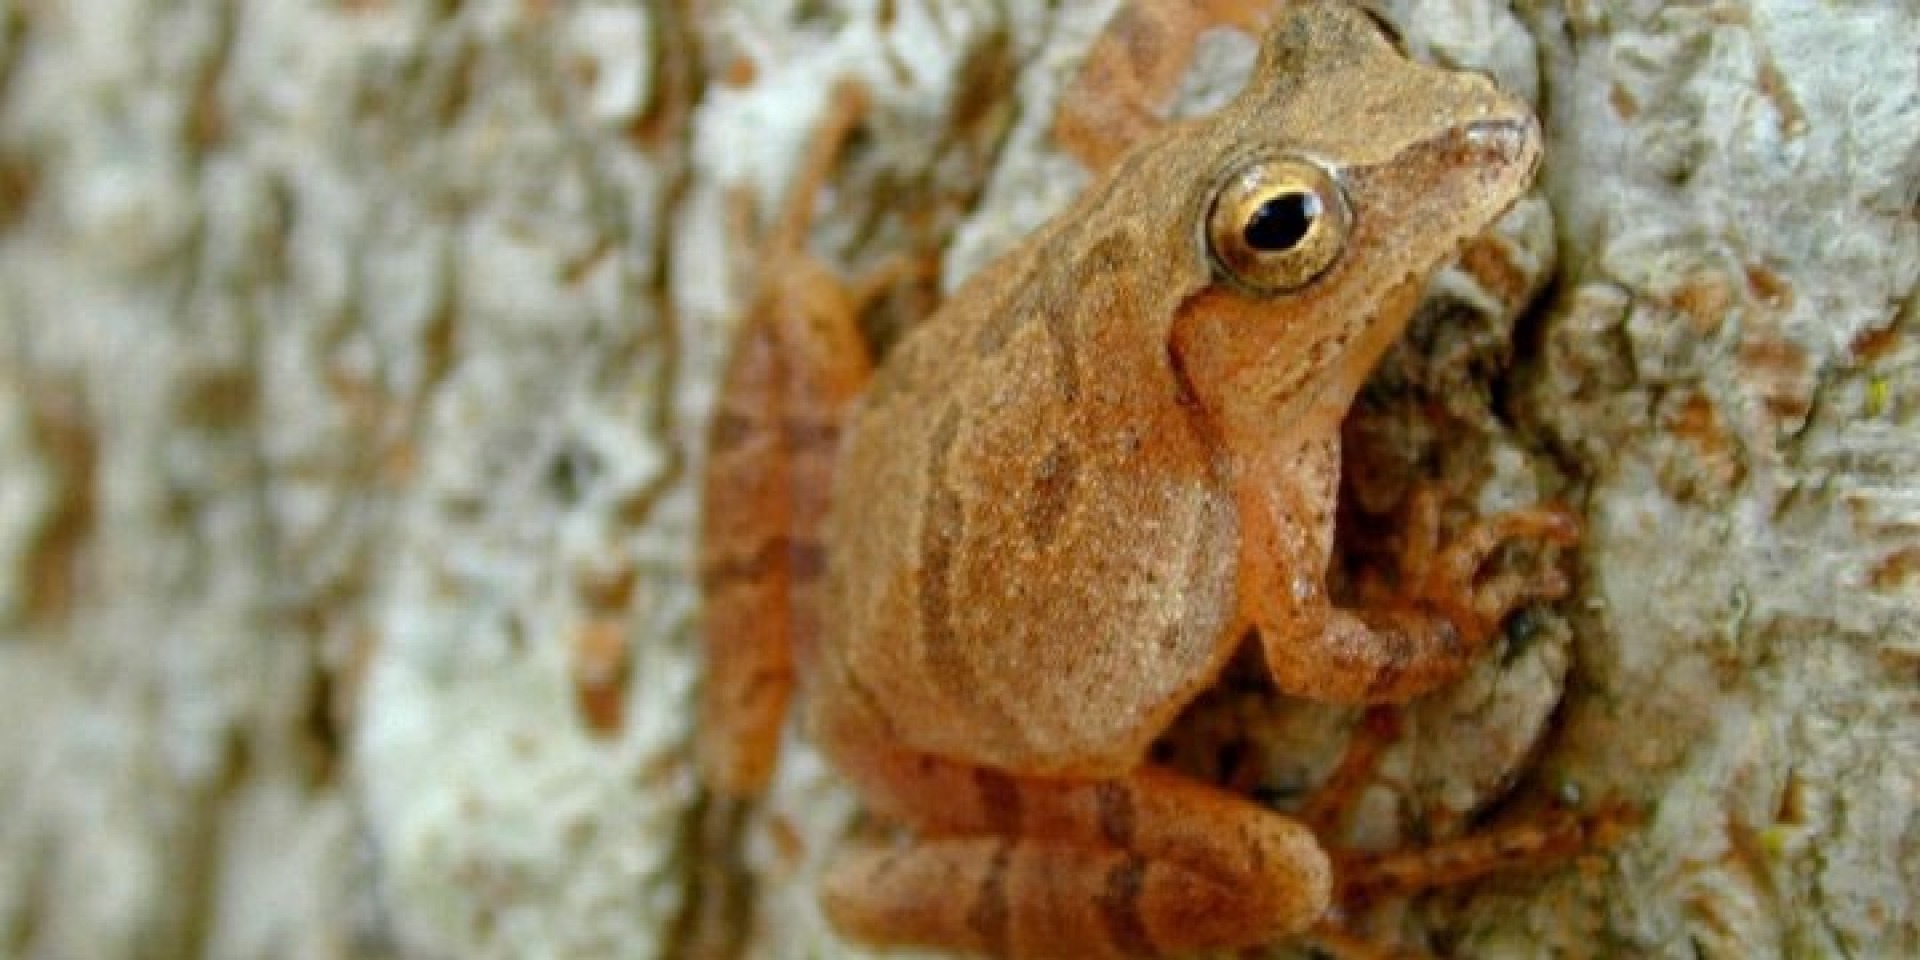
1004 560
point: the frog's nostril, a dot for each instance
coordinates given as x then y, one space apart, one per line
1508 139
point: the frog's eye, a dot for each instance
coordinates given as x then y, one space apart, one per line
1275 225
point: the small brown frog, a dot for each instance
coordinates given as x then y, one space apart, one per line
1004 560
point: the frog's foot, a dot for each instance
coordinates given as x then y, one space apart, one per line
1448 579
1541 840
847 104
1536 842
1151 864
1424 629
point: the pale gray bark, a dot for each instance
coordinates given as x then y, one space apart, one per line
354 357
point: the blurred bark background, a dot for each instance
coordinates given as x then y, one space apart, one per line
354 358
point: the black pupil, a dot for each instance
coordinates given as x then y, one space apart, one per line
1282 221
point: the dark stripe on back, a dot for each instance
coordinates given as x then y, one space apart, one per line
943 657
991 918
999 327
1053 485
1066 351
1120 908
1115 801
1100 282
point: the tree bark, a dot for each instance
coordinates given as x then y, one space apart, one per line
354 366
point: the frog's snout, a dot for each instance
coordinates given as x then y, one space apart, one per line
1510 141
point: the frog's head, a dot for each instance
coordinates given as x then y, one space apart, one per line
1337 182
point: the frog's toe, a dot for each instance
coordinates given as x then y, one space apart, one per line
1511 590
1462 559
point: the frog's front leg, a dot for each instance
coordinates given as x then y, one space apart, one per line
1401 641
1133 68
1010 866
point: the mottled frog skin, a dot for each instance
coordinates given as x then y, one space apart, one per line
1014 552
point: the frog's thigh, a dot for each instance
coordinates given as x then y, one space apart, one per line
1148 864
769 477
1133 68
795 367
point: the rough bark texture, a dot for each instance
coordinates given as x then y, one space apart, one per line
354 356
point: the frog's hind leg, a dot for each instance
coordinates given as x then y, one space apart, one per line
1149 864
1133 69
1327 809
797 363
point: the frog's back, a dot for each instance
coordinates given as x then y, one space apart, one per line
1032 552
